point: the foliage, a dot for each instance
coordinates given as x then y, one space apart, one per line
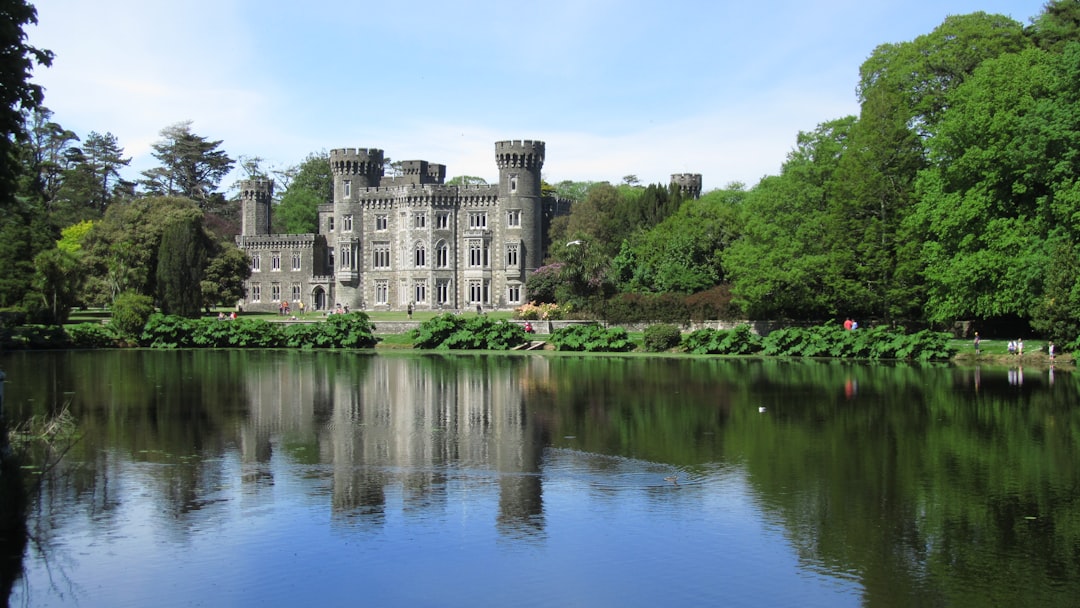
711 304
191 166
879 342
309 185
646 308
182 257
223 280
90 335
130 312
58 276
454 332
353 330
538 312
591 337
17 92
542 283
738 341
34 337
661 337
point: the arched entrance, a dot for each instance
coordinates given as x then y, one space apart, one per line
319 298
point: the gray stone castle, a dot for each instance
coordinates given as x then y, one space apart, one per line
388 243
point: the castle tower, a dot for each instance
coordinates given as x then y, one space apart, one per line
255 199
355 168
689 184
520 162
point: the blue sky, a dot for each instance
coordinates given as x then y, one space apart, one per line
720 88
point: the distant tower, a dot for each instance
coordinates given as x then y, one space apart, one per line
520 162
355 168
255 198
689 184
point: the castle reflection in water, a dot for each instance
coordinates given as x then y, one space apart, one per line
422 428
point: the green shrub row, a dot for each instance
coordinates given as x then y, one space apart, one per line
353 330
823 341
591 337
455 332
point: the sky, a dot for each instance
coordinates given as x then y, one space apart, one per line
614 88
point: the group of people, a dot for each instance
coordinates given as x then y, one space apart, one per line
850 324
1016 347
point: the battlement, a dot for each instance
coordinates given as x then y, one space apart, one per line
365 162
520 153
689 184
255 189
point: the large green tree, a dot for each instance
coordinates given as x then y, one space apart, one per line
191 166
1002 195
181 263
307 186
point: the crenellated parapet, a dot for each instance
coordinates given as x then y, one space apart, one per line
520 154
689 184
366 165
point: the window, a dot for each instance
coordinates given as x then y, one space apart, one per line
478 291
330 224
346 223
296 292
512 254
442 291
513 183
513 294
420 255
347 188
513 218
420 291
476 253
275 260
380 221
382 292
478 221
380 255
420 220
347 260
275 292
442 255
255 263
256 292
330 259
442 221
296 260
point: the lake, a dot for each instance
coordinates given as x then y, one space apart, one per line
278 478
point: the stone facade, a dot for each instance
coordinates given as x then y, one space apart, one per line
387 243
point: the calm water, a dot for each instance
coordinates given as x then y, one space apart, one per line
343 479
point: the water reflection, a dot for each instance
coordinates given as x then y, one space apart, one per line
915 485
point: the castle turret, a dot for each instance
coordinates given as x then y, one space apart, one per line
520 162
689 184
355 168
255 199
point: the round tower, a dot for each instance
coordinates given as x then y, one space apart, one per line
689 184
256 196
358 167
520 162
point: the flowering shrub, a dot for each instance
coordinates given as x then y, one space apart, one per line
538 312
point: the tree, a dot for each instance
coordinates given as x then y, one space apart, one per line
57 279
467 180
191 166
182 257
103 158
17 93
223 282
1058 25
310 184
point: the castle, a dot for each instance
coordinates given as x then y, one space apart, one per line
407 241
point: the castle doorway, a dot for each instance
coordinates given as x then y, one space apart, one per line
319 297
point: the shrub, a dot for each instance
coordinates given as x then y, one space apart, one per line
130 312
591 337
536 312
452 332
90 335
662 337
739 341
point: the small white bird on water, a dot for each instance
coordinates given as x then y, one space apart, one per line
761 409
